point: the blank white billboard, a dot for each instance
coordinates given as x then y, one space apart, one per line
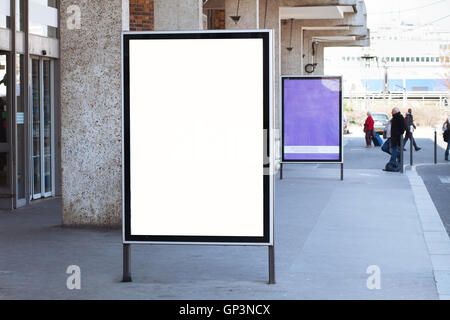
195 109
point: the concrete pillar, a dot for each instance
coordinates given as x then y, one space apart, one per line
91 114
291 61
320 60
178 15
269 18
248 12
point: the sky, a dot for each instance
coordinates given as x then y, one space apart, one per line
418 12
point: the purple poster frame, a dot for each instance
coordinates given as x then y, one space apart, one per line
324 135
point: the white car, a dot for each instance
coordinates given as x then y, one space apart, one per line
380 122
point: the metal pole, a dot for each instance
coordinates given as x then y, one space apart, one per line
410 149
126 263
342 171
271 265
401 153
26 98
435 146
281 171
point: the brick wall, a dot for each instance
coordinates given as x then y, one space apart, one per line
218 19
141 15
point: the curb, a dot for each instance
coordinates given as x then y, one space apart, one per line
435 235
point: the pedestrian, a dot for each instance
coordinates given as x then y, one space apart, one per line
409 121
368 129
446 134
397 130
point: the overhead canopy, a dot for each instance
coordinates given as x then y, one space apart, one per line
317 12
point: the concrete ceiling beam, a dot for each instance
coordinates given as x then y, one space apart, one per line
317 3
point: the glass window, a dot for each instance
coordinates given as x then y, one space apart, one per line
4 185
403 59
20 120
36 111
422 59
428 59
407 59
43 17
19 15
397 59
432 59
47 126
438 59
3 97
5 14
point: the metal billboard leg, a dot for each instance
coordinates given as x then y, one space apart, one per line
271 265
126 263
342 171
281 171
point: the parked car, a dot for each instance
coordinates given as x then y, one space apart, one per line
380 122
345 125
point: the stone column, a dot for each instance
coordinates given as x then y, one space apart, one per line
291 60
248 12
269 18
91 114
178 15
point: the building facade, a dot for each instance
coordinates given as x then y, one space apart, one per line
29 63
62 108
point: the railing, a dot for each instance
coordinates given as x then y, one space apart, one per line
398 95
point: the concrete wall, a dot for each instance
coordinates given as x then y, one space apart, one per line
248 11
291 61
91 117
178 14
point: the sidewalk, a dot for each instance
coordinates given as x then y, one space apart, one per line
327 233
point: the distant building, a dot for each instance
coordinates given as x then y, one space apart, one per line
402 56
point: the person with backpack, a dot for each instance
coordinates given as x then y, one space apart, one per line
368 129
397 130
386 147
446 134
409 121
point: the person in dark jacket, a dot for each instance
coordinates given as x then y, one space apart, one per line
409 120
446 130
397 130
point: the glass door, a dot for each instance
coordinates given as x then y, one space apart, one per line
20 133
42 128
5 185
36 129
47 130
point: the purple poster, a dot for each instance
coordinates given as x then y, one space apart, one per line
312 123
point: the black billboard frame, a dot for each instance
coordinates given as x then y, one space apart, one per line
340 161
268 238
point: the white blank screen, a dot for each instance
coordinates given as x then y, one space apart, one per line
196 137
